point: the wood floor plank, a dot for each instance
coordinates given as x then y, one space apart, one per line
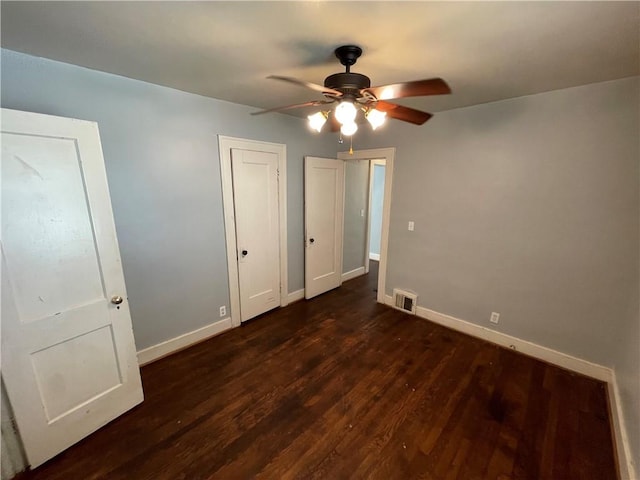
340 387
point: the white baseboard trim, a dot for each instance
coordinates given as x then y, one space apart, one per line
623 449
374 256
599 372
162 349
528 348
356 272
295 296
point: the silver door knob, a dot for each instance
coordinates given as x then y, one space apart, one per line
116 299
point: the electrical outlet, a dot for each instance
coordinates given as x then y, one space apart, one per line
495 317
411 226
223 310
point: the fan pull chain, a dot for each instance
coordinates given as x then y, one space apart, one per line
351 146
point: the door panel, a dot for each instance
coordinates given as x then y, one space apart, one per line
58 254
82 382
68 355
255 187
324 212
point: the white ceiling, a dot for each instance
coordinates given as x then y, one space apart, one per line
486 51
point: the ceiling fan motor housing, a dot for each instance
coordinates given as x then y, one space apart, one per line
347 83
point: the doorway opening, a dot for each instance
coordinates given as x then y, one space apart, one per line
383 156
374 219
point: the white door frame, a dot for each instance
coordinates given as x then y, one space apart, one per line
388 155
225 145
372 165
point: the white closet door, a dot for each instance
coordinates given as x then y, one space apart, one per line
255 191
324 214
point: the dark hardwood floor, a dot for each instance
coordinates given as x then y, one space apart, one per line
343 388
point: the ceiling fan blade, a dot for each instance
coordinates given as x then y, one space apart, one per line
405 114
312 86
418 88
313 103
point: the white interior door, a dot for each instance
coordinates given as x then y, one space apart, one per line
255 192
324 214
68 355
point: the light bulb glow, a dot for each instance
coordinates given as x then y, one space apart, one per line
388 93
349 129
317 120
346 112
376 118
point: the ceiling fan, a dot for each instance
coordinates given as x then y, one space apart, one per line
352 93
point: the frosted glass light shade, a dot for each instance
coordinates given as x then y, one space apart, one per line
376 118
349 129
317 120
346 112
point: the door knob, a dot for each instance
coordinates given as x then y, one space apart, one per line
311 240
116 299
244 253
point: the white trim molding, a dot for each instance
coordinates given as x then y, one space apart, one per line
374 256
162 349
296 296
578 365
388 155
623 448
225 145
523 346
356 272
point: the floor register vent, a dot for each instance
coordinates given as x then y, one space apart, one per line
405 301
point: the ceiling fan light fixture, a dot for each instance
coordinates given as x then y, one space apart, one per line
376 118
317 120
348 129
348 92
346 112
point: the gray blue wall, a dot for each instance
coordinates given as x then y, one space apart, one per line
528 207
161 153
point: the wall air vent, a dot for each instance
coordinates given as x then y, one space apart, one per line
405 301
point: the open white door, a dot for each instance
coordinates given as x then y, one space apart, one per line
324 214
68 355
255 192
